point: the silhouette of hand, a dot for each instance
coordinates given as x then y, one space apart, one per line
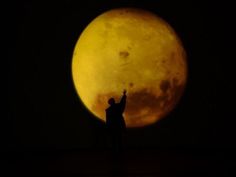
124 92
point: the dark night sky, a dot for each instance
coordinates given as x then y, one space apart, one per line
45 111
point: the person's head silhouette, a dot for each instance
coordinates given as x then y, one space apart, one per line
111 101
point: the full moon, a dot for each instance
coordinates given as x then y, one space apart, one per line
130 49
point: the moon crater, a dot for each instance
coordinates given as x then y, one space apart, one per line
124 54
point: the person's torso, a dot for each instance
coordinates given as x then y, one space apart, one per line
114 116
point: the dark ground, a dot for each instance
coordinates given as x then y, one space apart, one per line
133 163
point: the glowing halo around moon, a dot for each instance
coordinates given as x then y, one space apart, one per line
131 49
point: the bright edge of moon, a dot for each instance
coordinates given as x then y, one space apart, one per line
130 49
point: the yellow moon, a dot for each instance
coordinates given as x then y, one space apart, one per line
130 49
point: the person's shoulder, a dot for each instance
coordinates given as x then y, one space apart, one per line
108 108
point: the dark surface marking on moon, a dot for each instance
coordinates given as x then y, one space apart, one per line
176 90
165 85
142 100
124 54
131 84
142 104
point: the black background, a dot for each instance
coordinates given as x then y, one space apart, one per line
44 111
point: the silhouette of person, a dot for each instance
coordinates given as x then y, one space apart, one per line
115 121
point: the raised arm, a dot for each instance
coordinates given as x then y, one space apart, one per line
123 102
